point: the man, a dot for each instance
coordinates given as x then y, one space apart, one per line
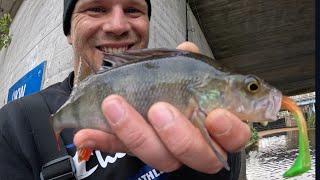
169 147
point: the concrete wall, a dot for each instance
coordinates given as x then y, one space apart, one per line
38 36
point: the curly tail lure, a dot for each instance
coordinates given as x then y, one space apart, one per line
303 161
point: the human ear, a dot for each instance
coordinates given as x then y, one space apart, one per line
69 39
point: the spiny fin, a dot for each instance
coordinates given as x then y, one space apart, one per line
79 72
108 64
111 60
199 123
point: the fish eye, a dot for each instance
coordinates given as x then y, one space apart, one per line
252 84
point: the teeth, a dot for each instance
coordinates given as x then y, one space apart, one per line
113 50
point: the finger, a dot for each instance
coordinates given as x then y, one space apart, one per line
137 135
96 139
188 46
183 139
228 130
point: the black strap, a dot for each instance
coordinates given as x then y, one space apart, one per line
56 164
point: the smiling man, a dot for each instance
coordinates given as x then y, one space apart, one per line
169 147
105 26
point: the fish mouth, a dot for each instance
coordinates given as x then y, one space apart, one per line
274 105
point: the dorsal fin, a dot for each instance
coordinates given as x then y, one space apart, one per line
112 60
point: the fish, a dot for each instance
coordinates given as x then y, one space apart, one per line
194 83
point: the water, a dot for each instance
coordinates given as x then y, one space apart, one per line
275 155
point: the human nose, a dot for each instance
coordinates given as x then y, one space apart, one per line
117 23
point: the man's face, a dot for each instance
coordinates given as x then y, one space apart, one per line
99 26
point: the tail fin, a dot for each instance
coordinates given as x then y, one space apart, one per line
58 141
84 154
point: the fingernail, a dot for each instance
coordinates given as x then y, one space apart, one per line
161 116
88 144
113 110
222 124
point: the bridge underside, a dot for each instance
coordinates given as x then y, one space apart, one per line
272 39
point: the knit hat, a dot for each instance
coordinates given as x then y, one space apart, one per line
69 7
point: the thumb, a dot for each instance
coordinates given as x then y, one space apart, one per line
188 46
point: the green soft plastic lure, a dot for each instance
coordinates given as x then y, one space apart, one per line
303 161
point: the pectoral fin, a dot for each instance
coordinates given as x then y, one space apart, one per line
198 121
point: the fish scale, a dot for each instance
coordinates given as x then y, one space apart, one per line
143 92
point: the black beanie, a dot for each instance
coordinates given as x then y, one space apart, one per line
68 9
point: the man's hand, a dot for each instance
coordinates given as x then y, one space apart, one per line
169 139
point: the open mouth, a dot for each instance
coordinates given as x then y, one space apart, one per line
120 49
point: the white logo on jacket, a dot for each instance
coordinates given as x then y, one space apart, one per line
81 167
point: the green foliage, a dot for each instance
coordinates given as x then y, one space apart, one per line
311 121
5 37
254 137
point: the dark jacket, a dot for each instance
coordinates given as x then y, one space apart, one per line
19 157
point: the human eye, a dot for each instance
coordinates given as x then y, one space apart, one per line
96 10
133 12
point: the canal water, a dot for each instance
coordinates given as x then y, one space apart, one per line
275 154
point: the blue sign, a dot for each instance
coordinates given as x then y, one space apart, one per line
28 84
